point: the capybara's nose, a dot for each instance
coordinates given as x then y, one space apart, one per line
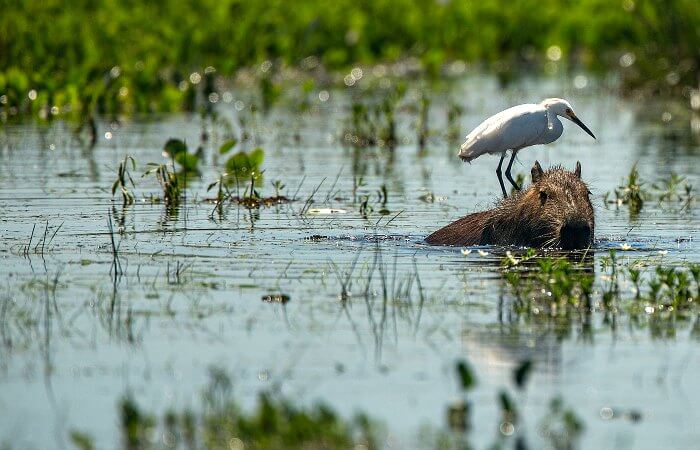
574 235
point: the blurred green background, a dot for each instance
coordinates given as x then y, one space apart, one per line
85 57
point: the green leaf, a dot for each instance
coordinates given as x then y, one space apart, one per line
188 161
238 164
212 185
114 186
227 146
256 157
174 147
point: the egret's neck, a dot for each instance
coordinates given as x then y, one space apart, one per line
554 127
552 119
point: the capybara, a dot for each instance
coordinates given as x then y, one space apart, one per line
555 211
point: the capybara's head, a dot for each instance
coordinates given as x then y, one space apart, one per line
558 208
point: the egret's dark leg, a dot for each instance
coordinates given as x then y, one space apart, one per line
500 176
508 175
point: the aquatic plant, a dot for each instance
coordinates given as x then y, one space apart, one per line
245 165
176 149
566 292
372 121
123 178
673 190
222 194
631 193
168 181
221 423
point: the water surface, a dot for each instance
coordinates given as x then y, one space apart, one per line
75 338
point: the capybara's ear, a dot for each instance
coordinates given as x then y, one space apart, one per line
577 171
536 172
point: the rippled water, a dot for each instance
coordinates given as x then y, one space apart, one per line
69 351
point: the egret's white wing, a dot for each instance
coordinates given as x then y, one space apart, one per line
513 128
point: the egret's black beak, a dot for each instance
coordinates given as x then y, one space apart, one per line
578 122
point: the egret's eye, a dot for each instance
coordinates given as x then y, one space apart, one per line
568 111
543 197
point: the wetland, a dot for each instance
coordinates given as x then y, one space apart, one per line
191 276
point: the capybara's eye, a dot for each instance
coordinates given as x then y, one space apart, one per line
543 197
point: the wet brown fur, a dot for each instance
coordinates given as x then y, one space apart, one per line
555 211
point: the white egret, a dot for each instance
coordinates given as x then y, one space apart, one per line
518 127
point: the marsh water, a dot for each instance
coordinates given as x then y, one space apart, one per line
75 338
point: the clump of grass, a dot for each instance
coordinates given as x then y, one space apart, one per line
568 292
667 289
169 183
554 285
675 189
123 180
631 193
372 120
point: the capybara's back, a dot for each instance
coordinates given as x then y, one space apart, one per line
555 211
